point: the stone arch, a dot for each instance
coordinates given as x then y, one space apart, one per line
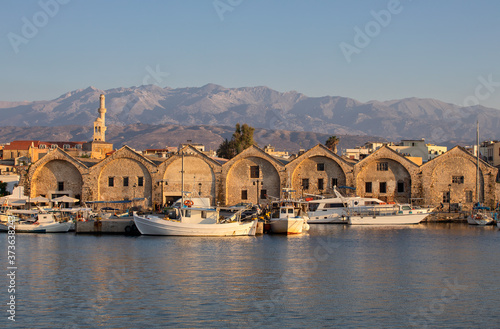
320 173
55 178
240 178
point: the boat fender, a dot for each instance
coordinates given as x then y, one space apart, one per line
128 229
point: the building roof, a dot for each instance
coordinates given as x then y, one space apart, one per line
21 145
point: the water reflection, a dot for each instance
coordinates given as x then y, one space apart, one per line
334 275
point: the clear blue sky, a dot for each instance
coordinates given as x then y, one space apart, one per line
427 49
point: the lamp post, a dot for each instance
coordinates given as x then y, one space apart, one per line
256 182
449 197
133 200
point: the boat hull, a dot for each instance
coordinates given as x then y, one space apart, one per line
400 219
38 228
157 226
291 225
327 220
479 221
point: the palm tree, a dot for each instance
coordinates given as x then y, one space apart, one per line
331 143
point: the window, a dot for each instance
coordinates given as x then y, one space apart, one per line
79 146
457 179
334 182
446 197
320 167
60 186
111 181
320 184
305 183
244 195
53 146
140 181
43 146
66 146
368 187
125 181
382 166
468 196
401 187
383 187
254 171
263 194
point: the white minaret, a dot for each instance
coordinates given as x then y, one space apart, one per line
99 123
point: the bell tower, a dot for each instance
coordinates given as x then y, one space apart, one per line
100 123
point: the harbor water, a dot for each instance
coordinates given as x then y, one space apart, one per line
427 275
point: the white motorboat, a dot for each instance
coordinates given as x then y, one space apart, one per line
288 217
397 214
334 210
363 211
45 223
194 222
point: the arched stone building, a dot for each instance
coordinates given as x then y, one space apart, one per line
386 175
201 176
252 176
56 175
124 175
255 176
451 178
318 170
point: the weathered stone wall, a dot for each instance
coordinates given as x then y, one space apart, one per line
437 179
396 169
46 180
306 167
199 177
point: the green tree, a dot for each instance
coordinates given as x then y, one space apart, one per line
242 139
3 188
331 143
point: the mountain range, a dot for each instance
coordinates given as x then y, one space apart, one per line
261 107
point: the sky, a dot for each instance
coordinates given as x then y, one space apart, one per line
367 50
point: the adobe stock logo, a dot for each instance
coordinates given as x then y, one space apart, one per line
40 19
363 37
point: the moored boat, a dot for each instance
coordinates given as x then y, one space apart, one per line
45 223
481 216
288 216
398 214
194 222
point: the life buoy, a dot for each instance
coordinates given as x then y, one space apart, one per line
188 203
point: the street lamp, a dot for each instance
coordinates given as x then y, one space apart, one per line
449 197
256 182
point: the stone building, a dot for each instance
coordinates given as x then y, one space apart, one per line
257 177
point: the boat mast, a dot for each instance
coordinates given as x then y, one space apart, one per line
182 179
477 162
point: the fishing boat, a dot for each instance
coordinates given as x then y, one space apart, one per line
194 222
190 220
44 223
288 216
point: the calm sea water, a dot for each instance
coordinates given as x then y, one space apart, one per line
429 275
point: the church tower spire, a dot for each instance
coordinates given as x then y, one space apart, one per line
100 122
